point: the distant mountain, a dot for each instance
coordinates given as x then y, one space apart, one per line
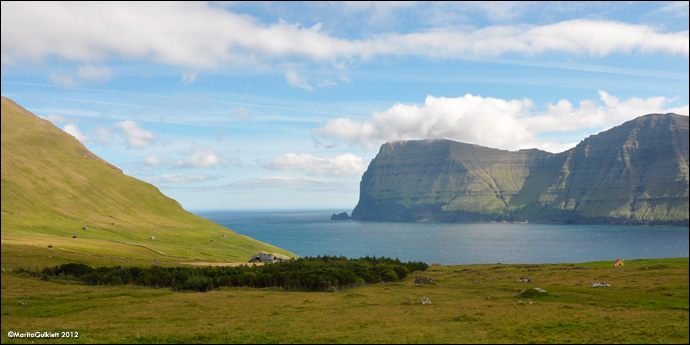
636 173
52 186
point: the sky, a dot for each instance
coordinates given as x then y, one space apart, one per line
277 105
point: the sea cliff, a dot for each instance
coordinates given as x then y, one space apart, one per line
635 173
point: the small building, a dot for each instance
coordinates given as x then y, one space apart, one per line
265 258
618 263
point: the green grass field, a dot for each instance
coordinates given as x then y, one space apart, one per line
646 303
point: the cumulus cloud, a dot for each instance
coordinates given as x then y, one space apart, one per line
200 157
493 122
135 136
152 32
154 160
151 162
75 132
345 165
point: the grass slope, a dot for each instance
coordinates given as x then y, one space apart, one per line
646 303
52 187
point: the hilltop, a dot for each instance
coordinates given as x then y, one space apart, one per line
635 173
54 188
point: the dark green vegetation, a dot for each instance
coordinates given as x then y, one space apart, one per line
636 173
53 188
320 273
647 302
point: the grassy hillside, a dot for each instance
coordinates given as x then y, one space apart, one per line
53 187
647 302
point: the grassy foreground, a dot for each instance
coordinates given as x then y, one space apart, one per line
646 303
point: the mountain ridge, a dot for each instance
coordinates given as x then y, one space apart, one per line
609 178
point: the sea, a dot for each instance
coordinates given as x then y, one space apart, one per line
312 233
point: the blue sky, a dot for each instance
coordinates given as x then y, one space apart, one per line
272 105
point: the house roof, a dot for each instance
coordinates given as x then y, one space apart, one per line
263 257
617 260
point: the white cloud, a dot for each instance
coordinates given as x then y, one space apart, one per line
135 136
243 114
180 178
151 162
101 134
675 8
188 78
62 79
345 165
287 183
74 131
153 32
88 73
492 122
91 73
200 157
327 83
55 119
295 79
154 160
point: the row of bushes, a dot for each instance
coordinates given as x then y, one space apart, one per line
319 273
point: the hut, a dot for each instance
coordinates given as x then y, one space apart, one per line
264 257
618 263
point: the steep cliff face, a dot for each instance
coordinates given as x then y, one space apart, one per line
636 173
442 180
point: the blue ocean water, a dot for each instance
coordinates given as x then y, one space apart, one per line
311 233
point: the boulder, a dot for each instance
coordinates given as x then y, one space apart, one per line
423 280
599 284
340 216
